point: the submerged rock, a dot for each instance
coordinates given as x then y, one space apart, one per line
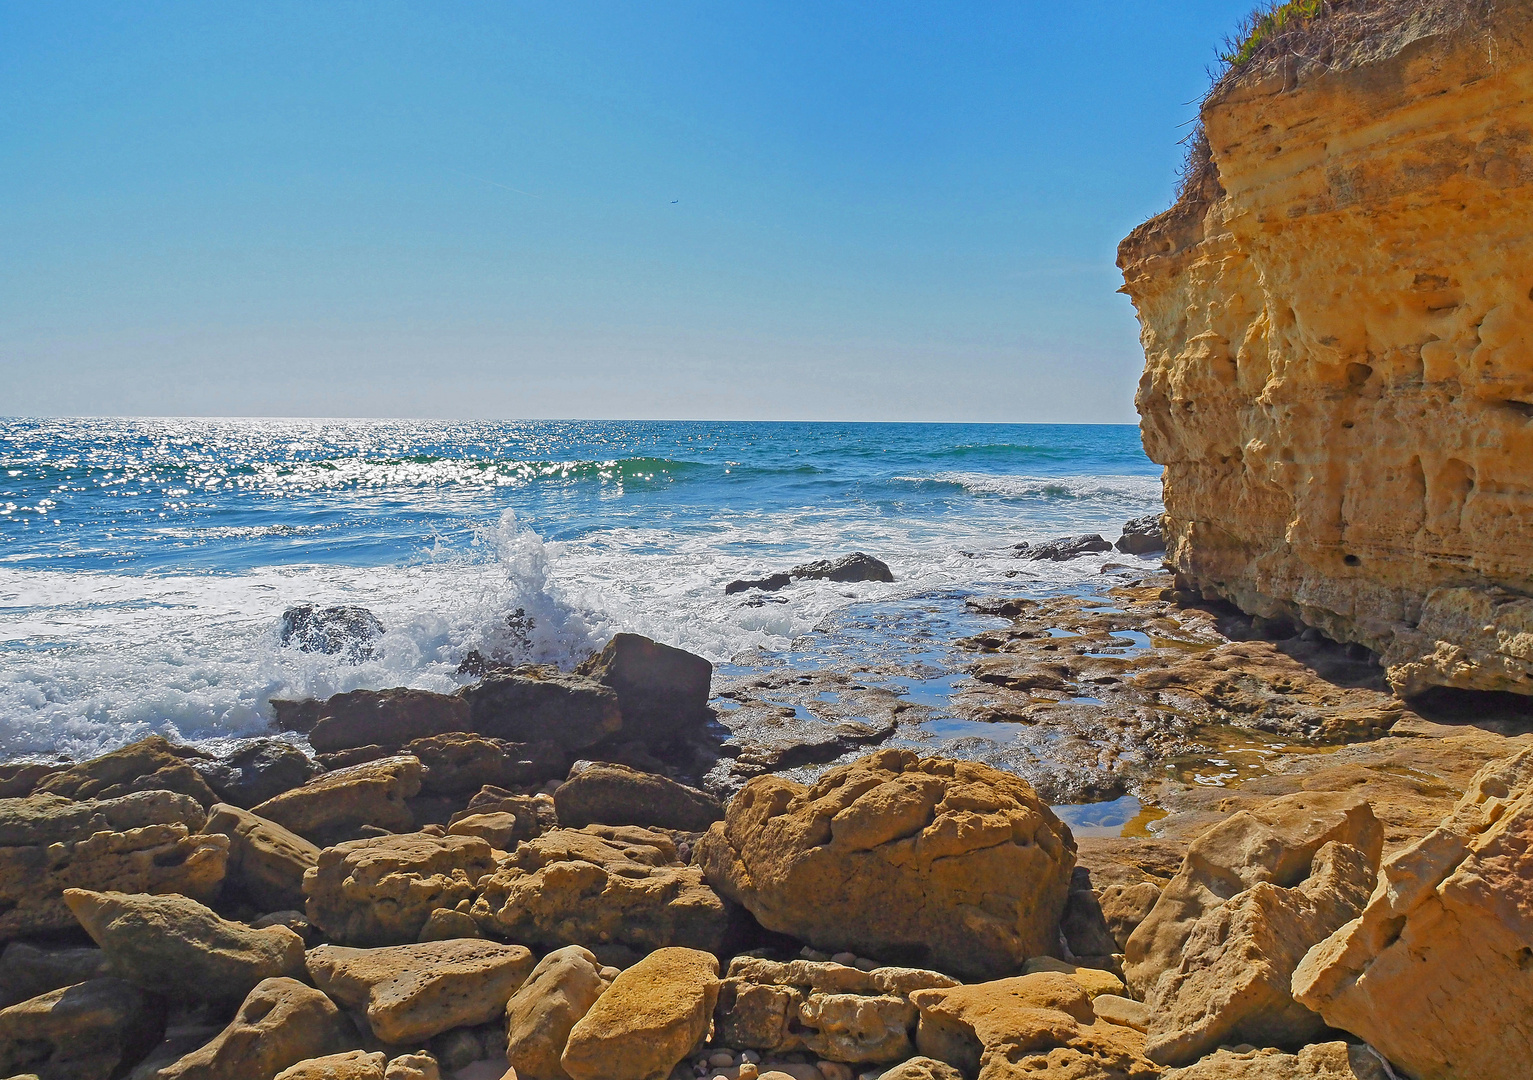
948 864
345 630
1437 972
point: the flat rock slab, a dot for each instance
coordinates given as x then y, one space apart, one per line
412 992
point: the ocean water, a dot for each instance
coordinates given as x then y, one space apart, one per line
145 564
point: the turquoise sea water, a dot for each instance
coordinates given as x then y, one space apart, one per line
145 564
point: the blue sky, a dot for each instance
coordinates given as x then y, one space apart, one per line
856 211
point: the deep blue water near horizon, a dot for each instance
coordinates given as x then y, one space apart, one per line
145 563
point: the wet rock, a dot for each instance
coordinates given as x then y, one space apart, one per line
574 711
1064 548
662 692
607 794
1031 1025
412 992
280 1023
949 864
1232 985
298 715
93 1030
28 970
352 1065
828 1009
922 1068
381 890
345 630
336 804
176 947
143 842
266 861
1141 536
541 1014
1437 972
854 567
257 771
457 763
154 763
620 886
1275 843
770 583
1319 1061
651 1015
386 718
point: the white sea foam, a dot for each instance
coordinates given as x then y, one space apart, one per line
1116 489
91 660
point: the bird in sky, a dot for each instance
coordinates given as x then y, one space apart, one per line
675 201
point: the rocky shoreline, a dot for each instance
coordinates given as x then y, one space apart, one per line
597 875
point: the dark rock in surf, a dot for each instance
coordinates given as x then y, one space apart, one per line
1066 547
1142 536
601 793
295 714
854 567
572 711
345 630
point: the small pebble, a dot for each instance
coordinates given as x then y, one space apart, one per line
844 958
750 1056
721 1059
864 964
835 1070
610 973
813 954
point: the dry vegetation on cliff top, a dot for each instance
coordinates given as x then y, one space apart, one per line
1299 39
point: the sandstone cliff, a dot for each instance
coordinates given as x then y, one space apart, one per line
1337 319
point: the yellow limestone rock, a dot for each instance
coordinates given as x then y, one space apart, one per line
1027 1028
647 1021
540 1015
947 864
1437 972
1338 332
280 1023
412 992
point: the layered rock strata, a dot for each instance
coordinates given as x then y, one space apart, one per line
1337 319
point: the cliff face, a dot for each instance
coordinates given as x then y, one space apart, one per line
1338 332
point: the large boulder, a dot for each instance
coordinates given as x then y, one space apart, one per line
259 770
1031 1026
28 970
601 793
266 861
661 691
385 718
571 711
620 889
952 865
177 947
650 1017
1275 843
335 804
1437 972
1141 536
541 1014
458 763
381 891
1232 985
834 1011
412 992
154 763
143 842
280 1023
93 1030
